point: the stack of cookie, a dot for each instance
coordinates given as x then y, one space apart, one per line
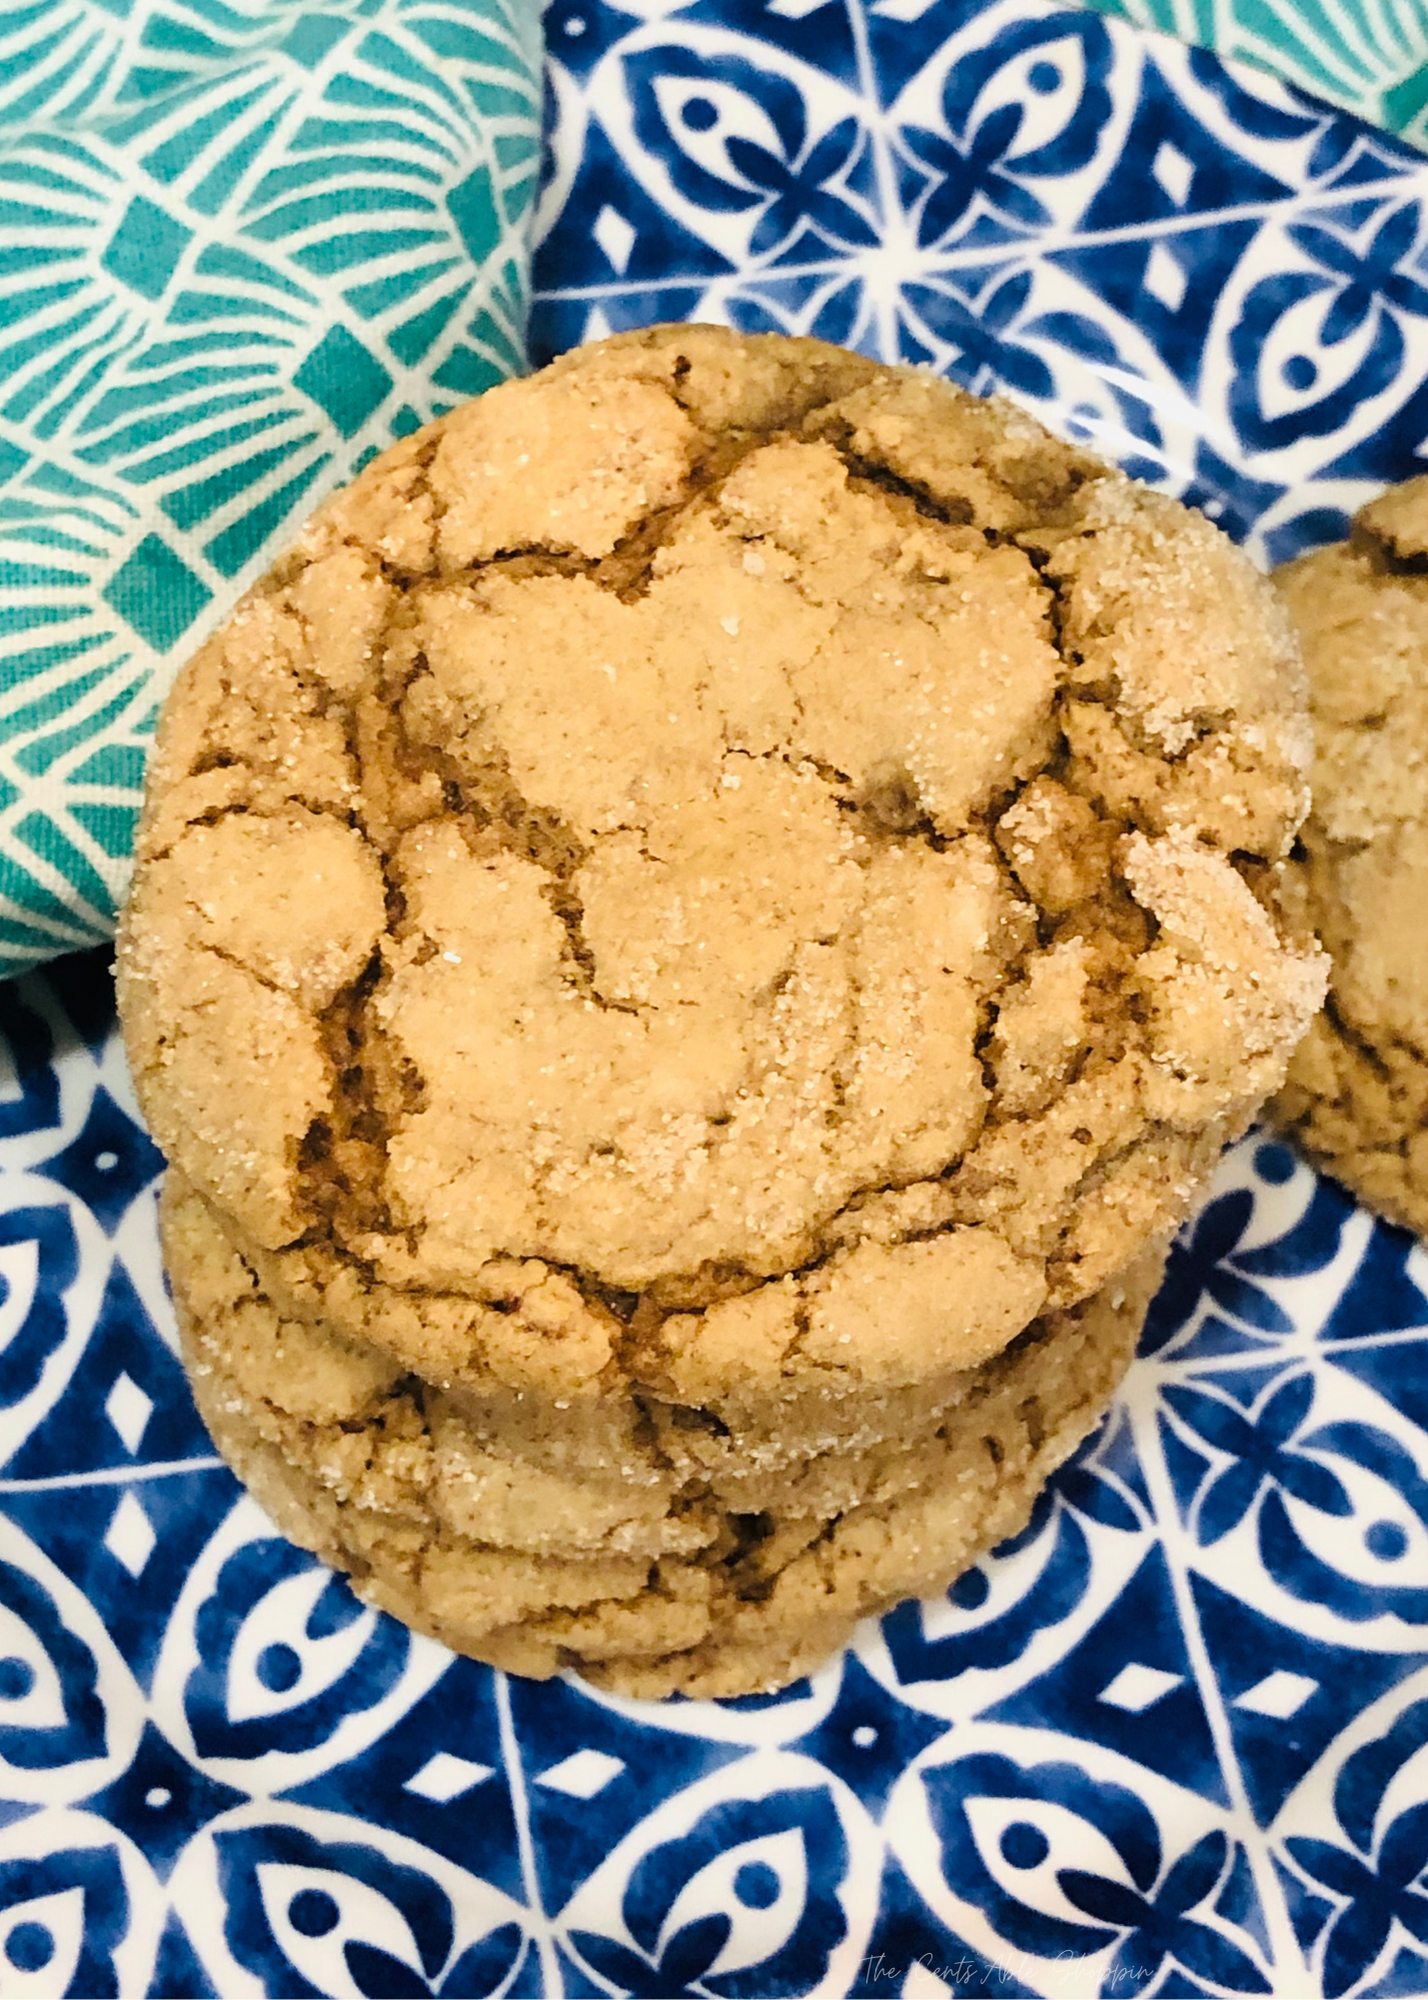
691 945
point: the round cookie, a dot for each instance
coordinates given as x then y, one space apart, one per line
376 1476
732 1444
1357 1092
720 869
631 1474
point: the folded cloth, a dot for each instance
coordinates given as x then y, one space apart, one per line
1371 60
243 244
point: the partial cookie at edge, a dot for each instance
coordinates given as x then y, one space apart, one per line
1356 1096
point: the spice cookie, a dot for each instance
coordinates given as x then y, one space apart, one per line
644 1575
1357 1093
690 945
705 842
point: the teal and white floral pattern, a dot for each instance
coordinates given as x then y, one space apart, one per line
1370 56
243 245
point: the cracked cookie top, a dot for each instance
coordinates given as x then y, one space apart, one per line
771 849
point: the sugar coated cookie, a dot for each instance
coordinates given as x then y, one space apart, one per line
1357 1095
720 897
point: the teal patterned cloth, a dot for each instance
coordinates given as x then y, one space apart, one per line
1370 56
243 244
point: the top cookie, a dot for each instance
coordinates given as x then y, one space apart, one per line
1358 1088
717 810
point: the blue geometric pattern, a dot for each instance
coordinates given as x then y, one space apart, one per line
1217 282
1172 1739
1174 1736
241 249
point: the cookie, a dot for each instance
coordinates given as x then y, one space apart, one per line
732 1442
719 868
1357 1092
690 945
535 1571
628 1473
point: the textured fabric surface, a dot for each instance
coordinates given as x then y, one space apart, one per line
242 247
1183 263
1368 56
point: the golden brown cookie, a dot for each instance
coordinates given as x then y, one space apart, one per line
690 944
721 869
1357 1092
516 1469
644 1577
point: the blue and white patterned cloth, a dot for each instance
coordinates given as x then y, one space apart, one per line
1171 1741
243 245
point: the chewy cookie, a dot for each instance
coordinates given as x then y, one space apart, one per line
716 890
650 1580
1357 1093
